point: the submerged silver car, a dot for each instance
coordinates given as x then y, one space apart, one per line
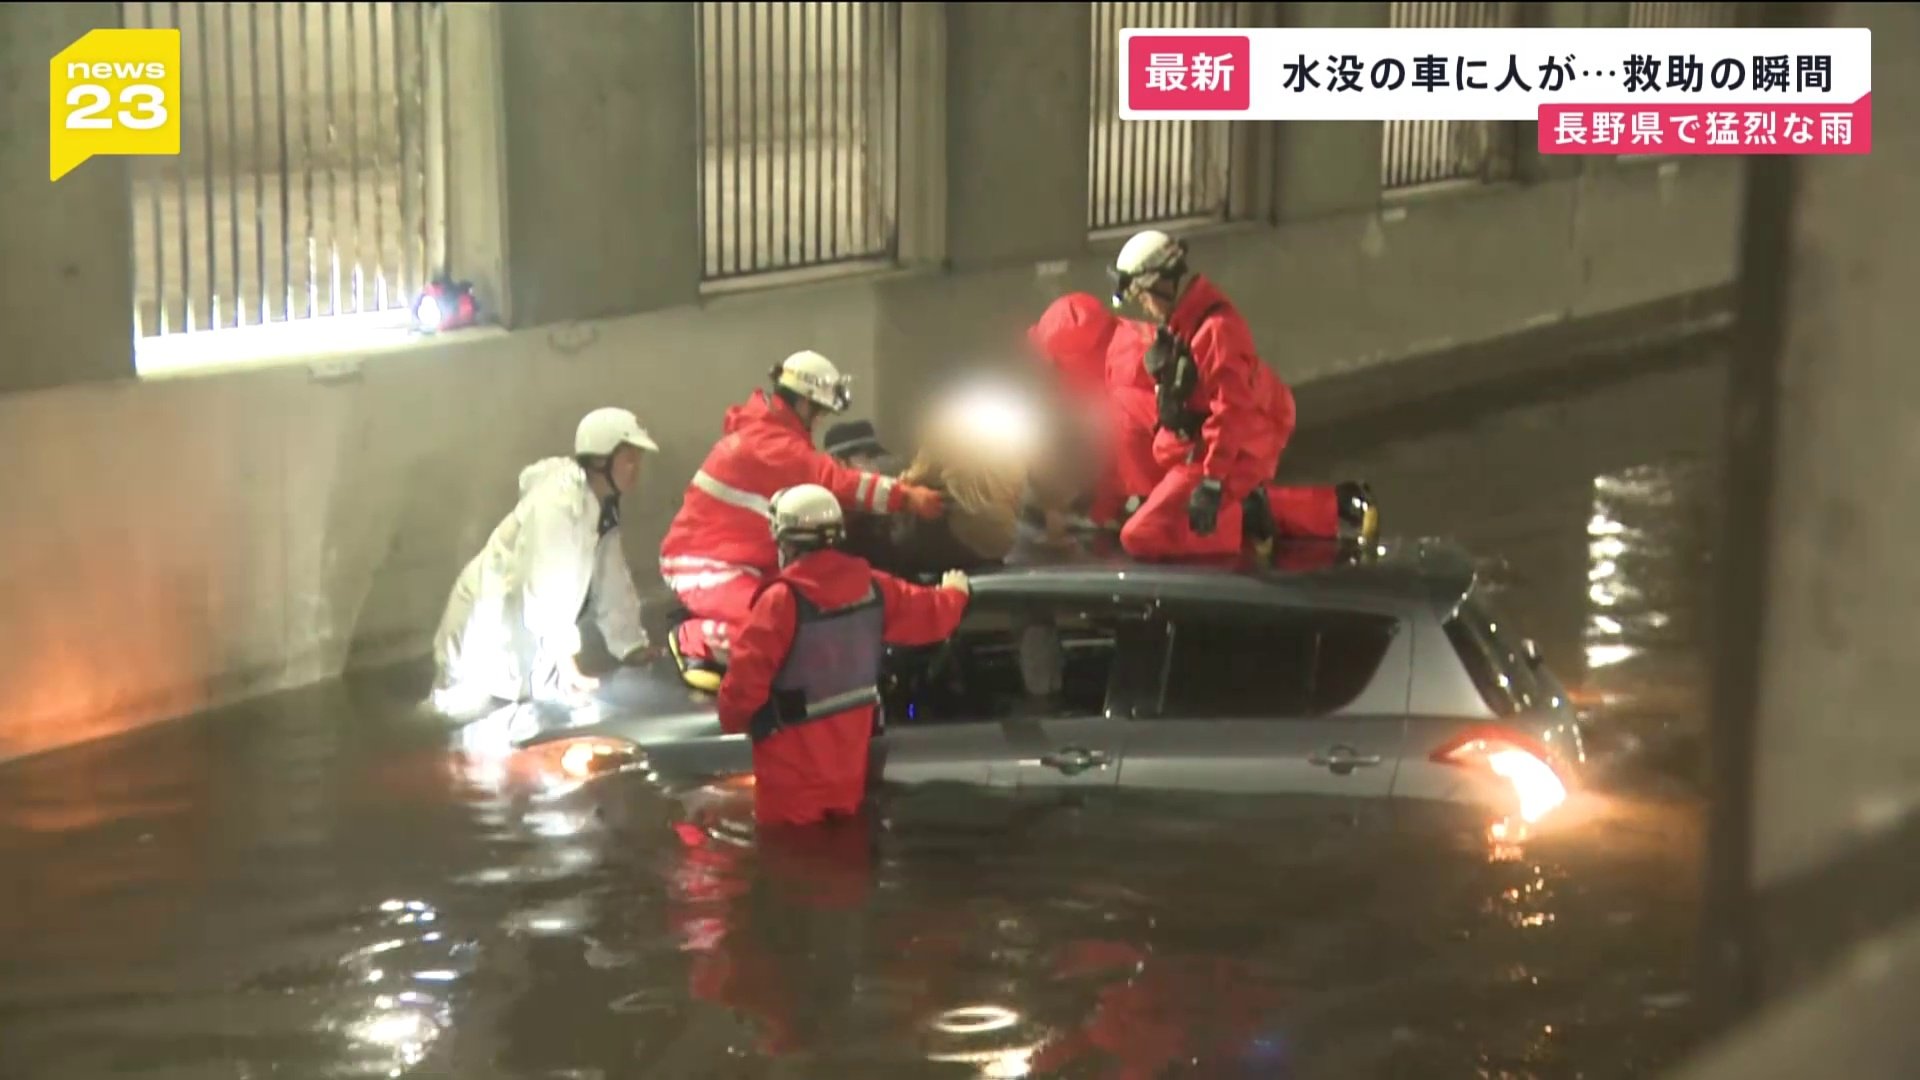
1348 687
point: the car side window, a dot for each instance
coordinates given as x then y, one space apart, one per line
1271 664
1499 668
1009 656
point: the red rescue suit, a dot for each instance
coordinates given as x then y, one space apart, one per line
804 678
1225 417
1099 357
719 550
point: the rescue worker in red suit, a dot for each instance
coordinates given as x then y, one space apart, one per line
1223 418
717 551
805 674
1102 357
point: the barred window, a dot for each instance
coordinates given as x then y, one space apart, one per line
1414 153
799 135
1659 16
1150 172
302 190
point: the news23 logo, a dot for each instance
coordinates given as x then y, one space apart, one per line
113 93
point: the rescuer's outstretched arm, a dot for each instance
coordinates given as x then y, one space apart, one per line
922 614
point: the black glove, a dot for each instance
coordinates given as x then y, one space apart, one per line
1203 510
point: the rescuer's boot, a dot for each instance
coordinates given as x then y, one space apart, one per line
1257 524
1359 514
701 675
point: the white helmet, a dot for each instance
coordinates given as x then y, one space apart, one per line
603 431
806 516
814 377
1145 261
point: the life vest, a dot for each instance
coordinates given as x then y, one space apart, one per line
832 665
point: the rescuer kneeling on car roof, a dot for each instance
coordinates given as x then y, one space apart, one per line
717 551
805 674
1101 360
1223 417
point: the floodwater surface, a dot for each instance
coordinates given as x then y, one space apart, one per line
318 886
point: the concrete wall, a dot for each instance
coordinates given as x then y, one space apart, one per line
1818 755
197 539
59 243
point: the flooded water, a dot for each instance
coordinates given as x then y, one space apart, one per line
317 887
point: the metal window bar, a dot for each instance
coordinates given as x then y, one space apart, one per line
1148 172
1414 153
1666 16
301 190
799 135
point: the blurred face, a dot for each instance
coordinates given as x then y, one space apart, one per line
624 468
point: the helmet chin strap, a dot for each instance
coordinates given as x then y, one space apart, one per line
806 544
610 503
1166 289
791 551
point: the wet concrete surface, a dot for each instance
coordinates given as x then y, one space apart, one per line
316 886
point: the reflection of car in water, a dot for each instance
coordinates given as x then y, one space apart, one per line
1335 688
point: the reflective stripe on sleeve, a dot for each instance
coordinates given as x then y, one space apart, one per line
732 496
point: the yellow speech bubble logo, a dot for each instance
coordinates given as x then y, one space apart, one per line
113 92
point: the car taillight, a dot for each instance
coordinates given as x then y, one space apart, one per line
1511 757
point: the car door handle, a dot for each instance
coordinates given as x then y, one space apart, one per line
1342 760
1074 759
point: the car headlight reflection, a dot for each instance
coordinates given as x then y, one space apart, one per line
565 764
554 769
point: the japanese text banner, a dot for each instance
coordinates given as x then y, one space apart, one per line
1487 74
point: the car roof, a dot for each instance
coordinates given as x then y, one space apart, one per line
1420 573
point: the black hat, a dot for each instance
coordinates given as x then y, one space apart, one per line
852 437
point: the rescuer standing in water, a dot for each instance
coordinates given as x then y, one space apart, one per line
804 679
